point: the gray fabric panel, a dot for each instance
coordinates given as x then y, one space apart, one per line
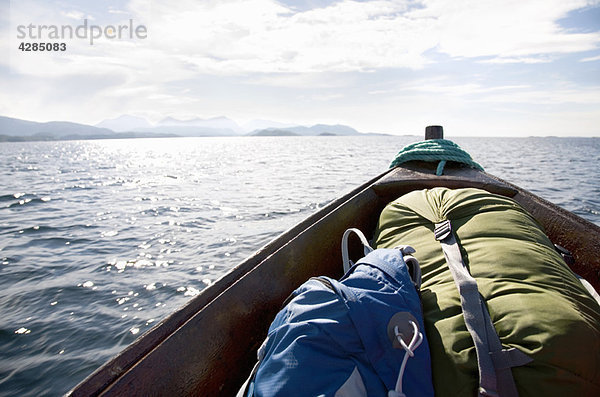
353 387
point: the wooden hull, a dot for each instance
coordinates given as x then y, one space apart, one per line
209 346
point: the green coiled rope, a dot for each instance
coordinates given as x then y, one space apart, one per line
441 150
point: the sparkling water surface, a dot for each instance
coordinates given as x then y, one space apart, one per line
99 240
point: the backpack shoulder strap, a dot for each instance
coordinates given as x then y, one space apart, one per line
389 261
346 262
494 362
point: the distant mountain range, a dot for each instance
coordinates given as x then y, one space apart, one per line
220 126
127 126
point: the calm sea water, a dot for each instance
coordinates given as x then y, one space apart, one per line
101 239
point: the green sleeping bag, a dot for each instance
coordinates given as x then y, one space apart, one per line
536 303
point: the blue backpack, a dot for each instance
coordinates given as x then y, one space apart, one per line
360 336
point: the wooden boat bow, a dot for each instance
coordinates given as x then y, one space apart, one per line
208 346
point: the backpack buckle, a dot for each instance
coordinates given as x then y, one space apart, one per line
442 230
566 254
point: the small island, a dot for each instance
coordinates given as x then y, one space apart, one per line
274 132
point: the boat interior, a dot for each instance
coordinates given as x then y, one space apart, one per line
209 346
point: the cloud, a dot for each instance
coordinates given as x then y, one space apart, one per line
263 36
449 88
529 98
300 80
113 10
505 29
77 15
550 93
585 97
590 59
501 59
242 37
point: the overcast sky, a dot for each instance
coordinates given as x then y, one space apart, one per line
477 67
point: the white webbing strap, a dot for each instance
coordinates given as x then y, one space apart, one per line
409 351
589 287
495 376
345 256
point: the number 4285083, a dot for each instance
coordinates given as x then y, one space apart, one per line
43 46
